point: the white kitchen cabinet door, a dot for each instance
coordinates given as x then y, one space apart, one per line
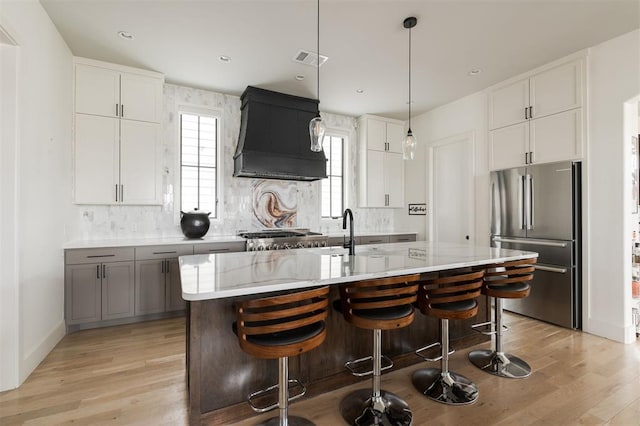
117 290
97 90
556 90
96 159
507 104
376 134
508 145
140 164
394 179
140 97
375 185
395 135
557 137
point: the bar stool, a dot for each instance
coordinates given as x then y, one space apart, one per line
280 327
508 280
377 304
451 297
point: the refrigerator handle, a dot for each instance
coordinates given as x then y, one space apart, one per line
521 198
531 201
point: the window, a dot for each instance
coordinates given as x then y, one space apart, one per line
199 162
333 186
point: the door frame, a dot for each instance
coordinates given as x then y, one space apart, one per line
468 137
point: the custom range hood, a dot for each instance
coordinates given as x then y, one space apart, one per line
274 137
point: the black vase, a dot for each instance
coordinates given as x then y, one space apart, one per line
194 224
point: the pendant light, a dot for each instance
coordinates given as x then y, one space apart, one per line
316 125
410 141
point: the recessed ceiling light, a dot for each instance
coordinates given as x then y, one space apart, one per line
359 91
225 59
474 72
125 35
299 77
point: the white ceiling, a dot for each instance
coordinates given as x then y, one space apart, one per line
365 41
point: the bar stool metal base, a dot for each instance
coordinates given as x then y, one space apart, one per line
359 408
449 388
500 364
291 421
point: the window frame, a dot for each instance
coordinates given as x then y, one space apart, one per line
217 214
345 147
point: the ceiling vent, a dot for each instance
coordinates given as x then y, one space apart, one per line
309 58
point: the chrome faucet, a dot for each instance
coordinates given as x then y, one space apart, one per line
351 245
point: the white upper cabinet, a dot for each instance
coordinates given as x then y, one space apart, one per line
113 93
538 119
117 146
549 92
507 105
381 163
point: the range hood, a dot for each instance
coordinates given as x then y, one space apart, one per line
274 137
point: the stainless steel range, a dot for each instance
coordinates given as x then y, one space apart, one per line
283 239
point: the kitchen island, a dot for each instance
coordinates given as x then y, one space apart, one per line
221 375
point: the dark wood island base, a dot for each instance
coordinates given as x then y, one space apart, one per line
221 375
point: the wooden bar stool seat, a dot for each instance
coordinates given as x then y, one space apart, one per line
377 304
509 280
280 327
447 298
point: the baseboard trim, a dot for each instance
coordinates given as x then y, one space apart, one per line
609 331
40 352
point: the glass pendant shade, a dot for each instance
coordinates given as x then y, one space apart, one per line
316 133
409 146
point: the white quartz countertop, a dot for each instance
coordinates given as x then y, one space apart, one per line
151 241
216 276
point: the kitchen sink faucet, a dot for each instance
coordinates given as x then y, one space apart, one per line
351 245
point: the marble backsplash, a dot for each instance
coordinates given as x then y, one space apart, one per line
88 222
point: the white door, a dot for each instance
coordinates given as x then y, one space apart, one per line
557 137
141 97
508 145
395 135
394 179
97 91
556 90
507 104
375 196
453 190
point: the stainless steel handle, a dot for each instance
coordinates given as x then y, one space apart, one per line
104 271
121 110
551 269
375 241
526 109
162 267
530 157
219 250
116 110
531 111
530 241
167 269
526 157
116 192
99 255
164 252
121 193
521 202
531 202
98 271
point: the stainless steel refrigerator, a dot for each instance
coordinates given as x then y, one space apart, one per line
537 208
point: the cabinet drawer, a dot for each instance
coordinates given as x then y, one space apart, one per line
402 238
373 239
337 241
98 255
219 247
163 252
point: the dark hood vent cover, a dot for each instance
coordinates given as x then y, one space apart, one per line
274 137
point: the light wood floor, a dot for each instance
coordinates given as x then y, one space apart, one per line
134 375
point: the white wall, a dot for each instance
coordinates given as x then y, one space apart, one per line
42 175
465 115
614 78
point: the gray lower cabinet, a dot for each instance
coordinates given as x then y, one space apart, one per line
372 239
99 285
402 238
158 278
